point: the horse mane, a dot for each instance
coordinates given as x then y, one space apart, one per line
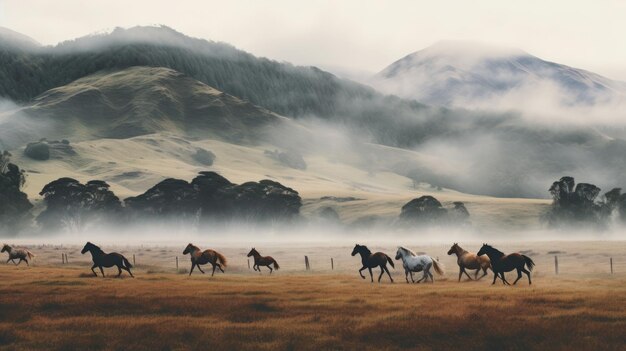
494 250
95 248
462 250
407 250
365 249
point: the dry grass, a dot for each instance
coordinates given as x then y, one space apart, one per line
63 309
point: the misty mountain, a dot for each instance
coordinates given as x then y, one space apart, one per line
15 40
457 73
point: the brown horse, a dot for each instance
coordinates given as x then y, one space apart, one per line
501 263
259 260
102 259
469 260
370 261
199 257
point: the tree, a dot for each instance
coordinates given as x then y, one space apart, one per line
14 205
574 204
72 205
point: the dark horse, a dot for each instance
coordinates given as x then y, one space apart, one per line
262 261
199 257
370 261
501 263
101 259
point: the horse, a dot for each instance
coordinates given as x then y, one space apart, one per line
370 261
22 254
262 261
102 259
414 263
469 260
501 263
199 257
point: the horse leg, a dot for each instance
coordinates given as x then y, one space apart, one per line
371 275
382 271
468 276
495 275
92 269
406 275
361 270
200 268
20 261
213 273
129 272
102 270
519 276
528 274
460 272
389 274
119 271
504 281
193 265
484 273
413 280
220 267
269 266
432 279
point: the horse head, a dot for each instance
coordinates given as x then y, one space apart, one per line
356 250
5 247
253 252
188 249
399 253
453 249
88 246
483 250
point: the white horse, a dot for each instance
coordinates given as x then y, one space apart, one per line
414 263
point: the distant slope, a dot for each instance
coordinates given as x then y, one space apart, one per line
457 73
139 101
13 39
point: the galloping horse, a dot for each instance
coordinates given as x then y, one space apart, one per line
414 263
370 261
22 254
262 261
469 260
199 257
102 259
501 263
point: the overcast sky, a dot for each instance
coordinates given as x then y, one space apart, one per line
353 35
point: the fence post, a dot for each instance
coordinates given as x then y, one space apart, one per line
332 264
556 264
176 263
133 259
62 258
67 259
611 260
248 263
306 263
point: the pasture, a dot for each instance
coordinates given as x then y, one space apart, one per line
64 307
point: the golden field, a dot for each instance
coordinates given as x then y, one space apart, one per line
63 307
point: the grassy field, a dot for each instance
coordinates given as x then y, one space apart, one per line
55 307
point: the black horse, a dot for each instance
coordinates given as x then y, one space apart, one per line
501 263
370 261
102 259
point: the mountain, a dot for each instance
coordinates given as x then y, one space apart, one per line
457 73
13 39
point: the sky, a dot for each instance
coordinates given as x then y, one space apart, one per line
351 36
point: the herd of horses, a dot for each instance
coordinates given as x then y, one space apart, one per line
486 258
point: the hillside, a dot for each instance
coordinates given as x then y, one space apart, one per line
137 101
457 73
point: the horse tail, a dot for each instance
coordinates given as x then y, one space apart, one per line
438 267
276 266
529 263
30 254
221 259
126 263
390 261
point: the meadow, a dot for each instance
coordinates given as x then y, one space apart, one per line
58 306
